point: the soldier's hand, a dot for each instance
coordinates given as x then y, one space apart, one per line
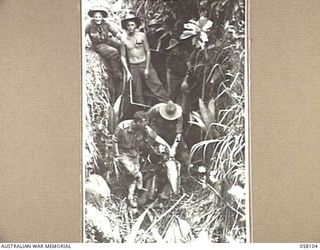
129 76
184 85
146 73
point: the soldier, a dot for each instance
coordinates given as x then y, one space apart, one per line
102 37
153 33
157 45
138 67
127 139
177 68
166 120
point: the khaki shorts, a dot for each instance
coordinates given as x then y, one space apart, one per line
131 164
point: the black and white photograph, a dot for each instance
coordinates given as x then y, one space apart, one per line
165 121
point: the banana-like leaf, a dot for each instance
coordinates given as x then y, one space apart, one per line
135 228
116 111
201 144
207 25
178 231
186 34
198 121
211 111
192 26
194 22
203 37
154 230
204 113
116 106
156 235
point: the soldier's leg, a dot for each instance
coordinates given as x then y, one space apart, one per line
131 190
137 79
176 82
137 174
155 86
127 163
112 56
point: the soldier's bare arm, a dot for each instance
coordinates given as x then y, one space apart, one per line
116 33
124 60
147 53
